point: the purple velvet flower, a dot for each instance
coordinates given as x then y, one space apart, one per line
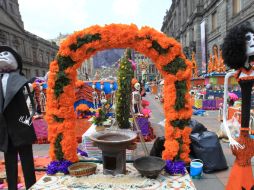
144 125
82 153
58 166
176 167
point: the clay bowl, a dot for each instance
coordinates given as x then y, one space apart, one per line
113 139
149 166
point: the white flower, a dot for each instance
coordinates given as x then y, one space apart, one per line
103 101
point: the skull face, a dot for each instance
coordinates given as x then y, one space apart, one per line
137 86
249 43
7 62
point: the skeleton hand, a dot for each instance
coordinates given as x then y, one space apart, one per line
234 144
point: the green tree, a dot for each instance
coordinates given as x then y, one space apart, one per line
123 94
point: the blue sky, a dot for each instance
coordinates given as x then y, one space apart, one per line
48 18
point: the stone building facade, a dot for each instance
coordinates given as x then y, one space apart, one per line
183 22
36 52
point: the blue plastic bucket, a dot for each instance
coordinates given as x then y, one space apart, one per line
196 168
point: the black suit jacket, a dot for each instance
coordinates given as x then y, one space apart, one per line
15 108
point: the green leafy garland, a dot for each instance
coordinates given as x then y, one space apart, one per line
85 40
180 123
181 89
176 65
58 147
123 94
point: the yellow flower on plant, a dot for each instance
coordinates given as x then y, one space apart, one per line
92 110
107 106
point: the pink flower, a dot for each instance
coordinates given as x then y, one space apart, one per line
146 112
133 64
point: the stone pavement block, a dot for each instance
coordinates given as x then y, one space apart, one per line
208 176
230 160
208 184
158 129
224 180
224 173
38 147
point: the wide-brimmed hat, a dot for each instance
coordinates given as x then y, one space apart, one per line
14 53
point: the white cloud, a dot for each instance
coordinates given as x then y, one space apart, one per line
53 16
126 8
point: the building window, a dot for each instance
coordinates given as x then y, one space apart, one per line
34 55
48 58
236 6
214 21
11 7
179 16
37 73
193 34
43 73
185 8
41 56
174 23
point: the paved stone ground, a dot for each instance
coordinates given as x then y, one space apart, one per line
215 181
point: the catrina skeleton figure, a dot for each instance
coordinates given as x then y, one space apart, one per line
16 129
238 54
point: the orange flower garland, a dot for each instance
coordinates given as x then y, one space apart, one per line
169 59
79 83
82 107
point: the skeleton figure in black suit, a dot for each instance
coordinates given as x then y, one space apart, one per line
16 130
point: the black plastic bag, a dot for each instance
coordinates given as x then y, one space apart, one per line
206 147
158 147
196 126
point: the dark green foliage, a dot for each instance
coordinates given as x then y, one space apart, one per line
123 94
180 123
158 48
58 147
90 50
176 65
61 81
64 62
58 119
181 90
180 142
85 40
155 45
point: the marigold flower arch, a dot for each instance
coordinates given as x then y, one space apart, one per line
164 51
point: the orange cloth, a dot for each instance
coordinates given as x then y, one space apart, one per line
240 177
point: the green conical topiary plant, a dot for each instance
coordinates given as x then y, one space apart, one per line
123 94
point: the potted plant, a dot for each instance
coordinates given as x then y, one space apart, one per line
101 115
